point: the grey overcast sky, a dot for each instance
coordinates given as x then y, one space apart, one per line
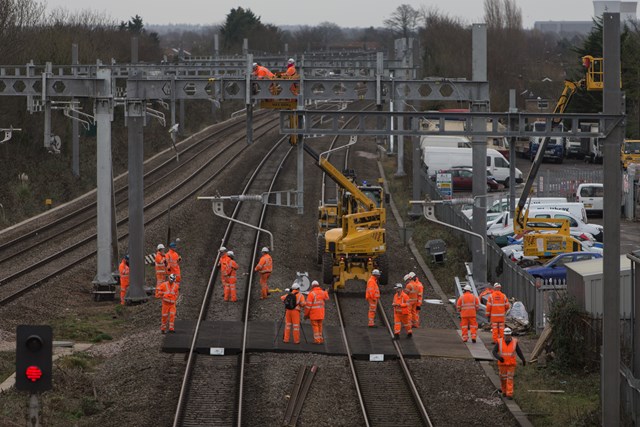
345 13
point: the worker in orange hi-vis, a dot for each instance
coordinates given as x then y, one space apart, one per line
230 286
505 351
264 267
372 295
401 312
293 303
169 292
411 289
222 265
497 307
160 265
173 261
261 72
467 305
415 321
123 269
314 310
292 73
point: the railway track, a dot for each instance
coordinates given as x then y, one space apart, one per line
48 259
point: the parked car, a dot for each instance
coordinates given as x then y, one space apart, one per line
555 267
462 179
592 196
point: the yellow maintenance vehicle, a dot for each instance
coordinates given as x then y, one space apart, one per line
549 237
630 152
351 233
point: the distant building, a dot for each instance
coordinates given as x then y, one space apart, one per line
626 9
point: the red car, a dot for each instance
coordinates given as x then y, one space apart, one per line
462 179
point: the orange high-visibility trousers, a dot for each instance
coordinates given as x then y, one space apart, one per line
373 304
317 331
400 320
292 320
413 314
497 329
230 292
123 293
264 285
467 323
168 313
507 373
416 318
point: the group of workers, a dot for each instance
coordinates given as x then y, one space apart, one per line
228 268
262 72
312 307
505 346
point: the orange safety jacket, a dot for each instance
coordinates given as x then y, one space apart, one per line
232 266
223 264
161 263
411 289
291 71
314 309
497 306
262 72
265 265
168 292
401 303
173 262
373 291
123 269
507 352
420 287
299 299
467 304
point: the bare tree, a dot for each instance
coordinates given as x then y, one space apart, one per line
500 14
404 21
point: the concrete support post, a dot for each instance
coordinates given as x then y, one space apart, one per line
216 46
46 103
75 125
104 193
479 156
612 104
513 108
300 173
248 99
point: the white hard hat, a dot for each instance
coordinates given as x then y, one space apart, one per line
255 64
376 272
497 285
315 283
287 290
295 286
222 249
292 61
398 286
231 254
265 249
172 277
160 246
467 287
507 331
406 277
412 274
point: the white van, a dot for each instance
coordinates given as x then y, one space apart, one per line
440 158
451 141
502 204
576 208
591 195
504 224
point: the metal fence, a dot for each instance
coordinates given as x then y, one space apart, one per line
564 182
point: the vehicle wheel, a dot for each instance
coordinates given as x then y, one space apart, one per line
383 266
327 269
320 242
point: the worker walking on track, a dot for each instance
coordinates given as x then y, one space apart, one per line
401 312
497 307
372 295
123 269
415 320
160 265
467 305
222 265
169 292
264 267
411 289
173 262
314 310
293 303
505 351
231 278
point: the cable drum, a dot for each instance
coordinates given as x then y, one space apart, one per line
303 281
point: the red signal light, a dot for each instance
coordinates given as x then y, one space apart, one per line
33 373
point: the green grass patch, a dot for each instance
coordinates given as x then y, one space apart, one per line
82 361
101 325
577 406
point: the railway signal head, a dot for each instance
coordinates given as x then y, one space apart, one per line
34 351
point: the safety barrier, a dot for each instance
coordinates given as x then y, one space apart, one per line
565 182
